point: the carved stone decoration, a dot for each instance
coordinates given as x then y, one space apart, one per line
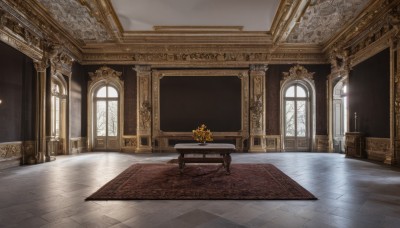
257 108
10 151
145 114
104 73
144 111
15 34
298 72
324 18
76 19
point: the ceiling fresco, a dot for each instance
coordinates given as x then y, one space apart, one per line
324 18
76 19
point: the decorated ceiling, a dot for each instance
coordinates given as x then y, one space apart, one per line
320 19
324 18
235 32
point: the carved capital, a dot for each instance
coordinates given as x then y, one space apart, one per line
142 68
41 66
259 67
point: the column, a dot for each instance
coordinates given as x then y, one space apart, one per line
394 103
257 108
144 108
40 122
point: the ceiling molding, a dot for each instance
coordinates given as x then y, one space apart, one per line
372 14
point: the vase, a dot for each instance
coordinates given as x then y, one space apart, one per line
202 144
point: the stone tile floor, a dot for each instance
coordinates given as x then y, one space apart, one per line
352 193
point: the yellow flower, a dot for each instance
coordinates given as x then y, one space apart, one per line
202 134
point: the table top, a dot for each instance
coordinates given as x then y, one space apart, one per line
188 146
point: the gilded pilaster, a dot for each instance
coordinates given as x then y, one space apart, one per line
257 108
144 111
394 20
396 92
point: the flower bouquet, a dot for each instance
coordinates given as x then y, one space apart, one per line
202 135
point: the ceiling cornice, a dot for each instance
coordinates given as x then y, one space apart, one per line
374 13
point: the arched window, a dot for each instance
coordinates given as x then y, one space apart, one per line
55 110
105 108
58 116
106 111
339 115
298 110
296 119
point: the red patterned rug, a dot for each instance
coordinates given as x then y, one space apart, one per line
203 182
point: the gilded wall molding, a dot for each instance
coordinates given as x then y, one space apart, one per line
21 38
145 110
204 58
163 137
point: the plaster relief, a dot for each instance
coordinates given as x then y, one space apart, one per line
78 20
325 18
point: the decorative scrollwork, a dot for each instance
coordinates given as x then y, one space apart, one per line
256 108
145 114
298 72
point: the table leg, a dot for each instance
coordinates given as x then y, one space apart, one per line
181 161
227 162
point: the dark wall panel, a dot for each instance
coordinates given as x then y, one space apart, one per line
187 102
16 93
274 76
78 95
369 95
129 78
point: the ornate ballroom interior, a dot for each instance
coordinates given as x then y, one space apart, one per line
106 76
280 78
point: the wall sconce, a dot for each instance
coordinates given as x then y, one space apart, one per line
1 101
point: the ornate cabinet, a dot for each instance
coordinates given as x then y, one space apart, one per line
355 145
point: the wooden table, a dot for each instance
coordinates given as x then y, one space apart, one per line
223 149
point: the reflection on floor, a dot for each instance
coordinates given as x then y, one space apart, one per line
352 193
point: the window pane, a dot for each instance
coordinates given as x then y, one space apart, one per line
53 114
290 92
344 89
102 92
301 118
57 117
112 118
101 118
301 92
112 92
289 117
